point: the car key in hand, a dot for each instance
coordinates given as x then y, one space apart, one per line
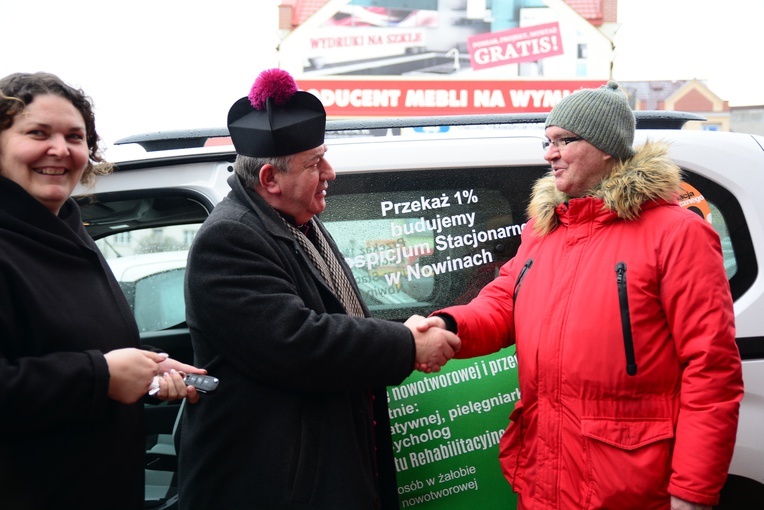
202 383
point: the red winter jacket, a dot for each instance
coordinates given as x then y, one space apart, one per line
586 433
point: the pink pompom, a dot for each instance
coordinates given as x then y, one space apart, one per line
275 83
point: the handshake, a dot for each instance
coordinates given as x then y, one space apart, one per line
435 345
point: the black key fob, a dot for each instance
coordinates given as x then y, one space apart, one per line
202 383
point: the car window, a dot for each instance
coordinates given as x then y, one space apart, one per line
150 265
720 208
159 302
420 240
144 236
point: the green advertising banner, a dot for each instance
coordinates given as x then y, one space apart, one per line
446 428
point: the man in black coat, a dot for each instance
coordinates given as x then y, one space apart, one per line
299 419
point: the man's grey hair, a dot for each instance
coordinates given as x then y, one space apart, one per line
248 168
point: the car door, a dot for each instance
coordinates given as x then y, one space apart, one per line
145 236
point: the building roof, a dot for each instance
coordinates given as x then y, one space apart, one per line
652 94
590 10
303 9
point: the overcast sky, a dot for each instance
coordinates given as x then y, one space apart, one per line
718 41
157 65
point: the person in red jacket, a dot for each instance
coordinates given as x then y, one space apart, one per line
620 309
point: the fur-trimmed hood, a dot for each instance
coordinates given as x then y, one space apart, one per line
650 175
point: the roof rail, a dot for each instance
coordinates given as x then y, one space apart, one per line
167 140
187 139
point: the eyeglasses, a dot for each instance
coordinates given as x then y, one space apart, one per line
560 142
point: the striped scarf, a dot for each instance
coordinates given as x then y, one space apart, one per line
323 259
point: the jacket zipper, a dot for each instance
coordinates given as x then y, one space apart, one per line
623 299
519 281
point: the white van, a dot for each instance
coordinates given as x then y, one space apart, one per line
425 211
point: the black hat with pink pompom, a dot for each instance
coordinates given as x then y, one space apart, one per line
276 119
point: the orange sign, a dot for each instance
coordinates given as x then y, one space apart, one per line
414 98
693 200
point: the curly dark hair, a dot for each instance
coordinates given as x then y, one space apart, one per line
18 90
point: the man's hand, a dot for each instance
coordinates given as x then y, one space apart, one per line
434 345
681 504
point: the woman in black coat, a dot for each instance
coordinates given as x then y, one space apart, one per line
72 373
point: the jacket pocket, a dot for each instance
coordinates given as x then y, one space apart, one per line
510 446
306 464
628 462
627 434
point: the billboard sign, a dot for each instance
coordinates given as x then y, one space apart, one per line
524 44
355 97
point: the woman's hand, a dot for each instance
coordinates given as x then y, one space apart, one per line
170 381
131 372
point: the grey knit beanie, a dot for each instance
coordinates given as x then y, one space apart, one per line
600 116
